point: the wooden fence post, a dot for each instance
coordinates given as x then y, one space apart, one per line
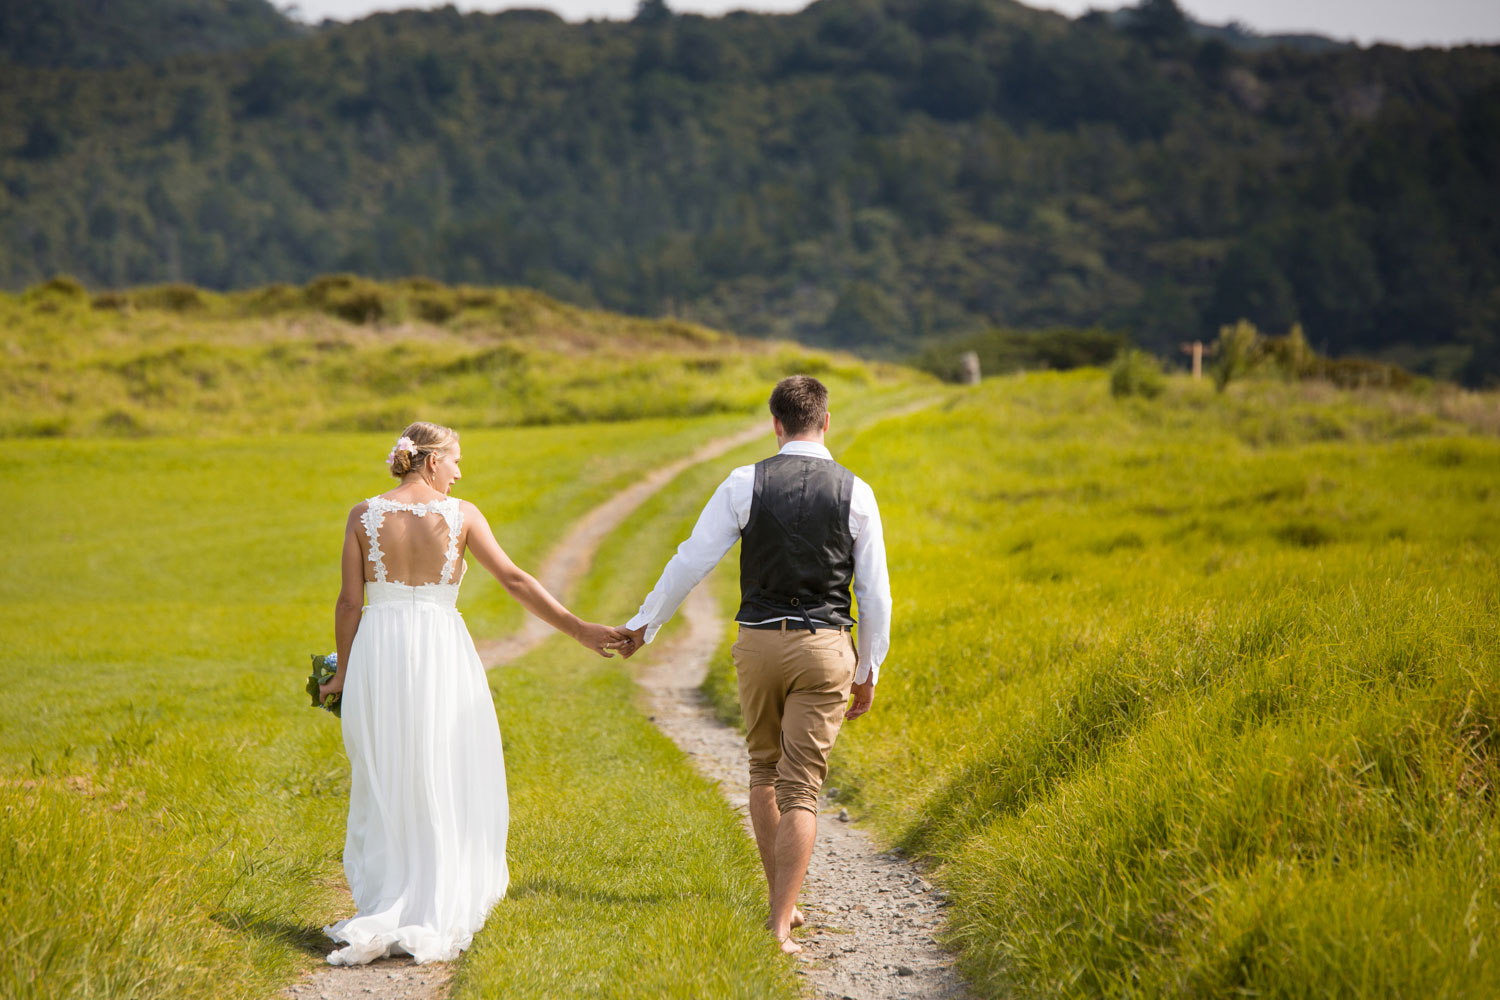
1196 350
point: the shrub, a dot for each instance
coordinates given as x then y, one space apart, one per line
118 301
1236 352
1136 373
1359 373
1242 350
1001 351
171 298
435 307
1291 355
63 286
272 299
356 299
321 288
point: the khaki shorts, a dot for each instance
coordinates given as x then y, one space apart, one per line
794 688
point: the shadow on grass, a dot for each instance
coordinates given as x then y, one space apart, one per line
304 937
529 888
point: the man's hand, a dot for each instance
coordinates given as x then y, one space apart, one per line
864 696
631 640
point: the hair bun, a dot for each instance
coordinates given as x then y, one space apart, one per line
417 442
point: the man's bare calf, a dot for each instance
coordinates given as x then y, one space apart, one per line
785 842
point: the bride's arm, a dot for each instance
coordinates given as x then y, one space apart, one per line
346 613
526 589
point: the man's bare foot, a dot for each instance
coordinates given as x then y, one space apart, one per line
797 919
789 947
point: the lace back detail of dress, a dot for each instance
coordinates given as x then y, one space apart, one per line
411 546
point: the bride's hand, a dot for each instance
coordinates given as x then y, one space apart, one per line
600 638
335 686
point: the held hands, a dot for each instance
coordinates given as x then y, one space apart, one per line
603 638
631 640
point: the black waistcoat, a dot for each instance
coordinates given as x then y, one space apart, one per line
796 552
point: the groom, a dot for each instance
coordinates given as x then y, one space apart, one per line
808 528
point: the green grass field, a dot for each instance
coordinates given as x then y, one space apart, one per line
1195 696
173 812
1192 696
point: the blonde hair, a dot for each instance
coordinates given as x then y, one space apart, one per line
429 439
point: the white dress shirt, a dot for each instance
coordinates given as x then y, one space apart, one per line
718 528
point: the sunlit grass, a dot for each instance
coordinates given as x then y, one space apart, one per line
173 811
344 354
1194 696
1188 696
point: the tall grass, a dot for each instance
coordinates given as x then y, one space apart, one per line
1194 696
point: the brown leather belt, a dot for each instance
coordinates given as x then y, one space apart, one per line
789 623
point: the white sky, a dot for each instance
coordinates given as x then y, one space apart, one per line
1403 22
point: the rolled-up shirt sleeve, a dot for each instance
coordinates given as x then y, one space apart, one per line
717 530
872 583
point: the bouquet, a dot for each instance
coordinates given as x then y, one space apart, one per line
323 669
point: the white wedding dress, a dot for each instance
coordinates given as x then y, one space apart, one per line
428 816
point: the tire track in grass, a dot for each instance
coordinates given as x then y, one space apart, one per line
569 560
399 978
871 916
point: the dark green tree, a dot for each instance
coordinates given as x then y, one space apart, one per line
1158 21
866 317
955 83
652 13
44 139
1252 286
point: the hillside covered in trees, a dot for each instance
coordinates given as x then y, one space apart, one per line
873 174
112 33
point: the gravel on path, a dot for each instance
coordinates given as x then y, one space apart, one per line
871 916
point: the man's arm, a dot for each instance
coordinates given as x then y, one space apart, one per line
717 530
872 589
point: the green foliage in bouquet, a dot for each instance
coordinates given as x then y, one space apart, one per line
323 669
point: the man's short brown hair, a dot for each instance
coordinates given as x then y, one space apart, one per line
800 402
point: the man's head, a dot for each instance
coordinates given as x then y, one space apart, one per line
799 406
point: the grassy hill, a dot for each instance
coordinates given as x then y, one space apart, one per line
342 353
868 174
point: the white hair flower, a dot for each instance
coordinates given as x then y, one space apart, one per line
405 444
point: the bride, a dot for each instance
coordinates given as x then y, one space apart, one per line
425 848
